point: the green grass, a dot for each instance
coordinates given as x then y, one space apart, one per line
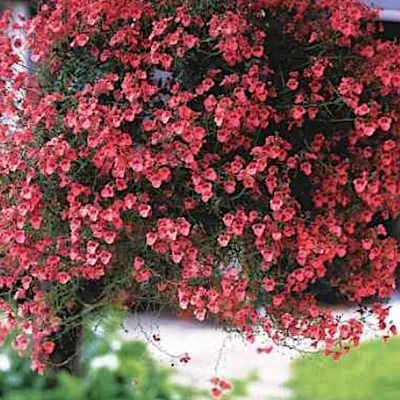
371 372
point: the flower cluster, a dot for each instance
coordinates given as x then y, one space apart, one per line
226 158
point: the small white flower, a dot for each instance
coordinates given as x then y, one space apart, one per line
5 363
115 345
109 361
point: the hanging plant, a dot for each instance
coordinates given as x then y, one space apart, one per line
224 157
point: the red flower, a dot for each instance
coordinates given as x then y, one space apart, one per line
224 240
107 192
48 348
80 40
269 284
298 112
292 84
63 277
201 164
230 186
306 168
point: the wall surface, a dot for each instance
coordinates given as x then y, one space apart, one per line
390 9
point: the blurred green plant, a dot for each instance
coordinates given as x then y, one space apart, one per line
370 372
111 369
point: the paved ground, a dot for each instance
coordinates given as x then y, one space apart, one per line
214 352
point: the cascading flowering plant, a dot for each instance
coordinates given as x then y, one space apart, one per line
224 157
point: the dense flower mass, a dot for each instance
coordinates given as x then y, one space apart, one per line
222 157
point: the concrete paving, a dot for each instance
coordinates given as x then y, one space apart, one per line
215 352
212 352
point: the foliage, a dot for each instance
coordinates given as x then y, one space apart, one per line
111 370
225 157
367 373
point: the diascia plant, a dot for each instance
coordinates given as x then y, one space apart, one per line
221 157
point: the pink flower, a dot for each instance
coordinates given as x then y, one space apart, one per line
144 210
230 187
21 342
360 185
109 237
63 277
151 238
224 240
80 40
48 347
138 263
292 84
306 168
258 229
142 275
298 112
278 300
385 123
107 192
269 284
